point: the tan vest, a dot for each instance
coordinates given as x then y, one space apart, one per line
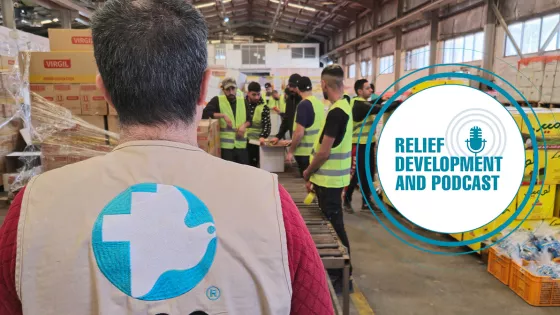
91 240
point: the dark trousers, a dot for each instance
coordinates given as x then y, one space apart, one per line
330 202
361 170
236 155
302 162
254 152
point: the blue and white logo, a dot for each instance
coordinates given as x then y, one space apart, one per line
450 159
154 241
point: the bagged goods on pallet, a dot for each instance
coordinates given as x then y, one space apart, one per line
538 251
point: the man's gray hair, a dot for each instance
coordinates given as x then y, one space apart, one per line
152 56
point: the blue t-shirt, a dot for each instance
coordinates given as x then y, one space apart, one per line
305 115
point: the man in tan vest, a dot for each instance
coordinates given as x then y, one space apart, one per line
157 226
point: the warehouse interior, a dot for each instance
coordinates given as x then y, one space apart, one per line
49 124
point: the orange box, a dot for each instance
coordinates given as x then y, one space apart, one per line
60 67
70 40
92 100
45 90
68 96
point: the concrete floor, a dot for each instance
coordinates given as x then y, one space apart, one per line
398 279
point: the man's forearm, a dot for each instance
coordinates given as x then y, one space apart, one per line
218 115
318 160
296 139
283 128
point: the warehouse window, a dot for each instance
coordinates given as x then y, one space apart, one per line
464 48
220 53
304 52
363 68
352 71
253 55
417 58
531 35
309 53
369 68
386 65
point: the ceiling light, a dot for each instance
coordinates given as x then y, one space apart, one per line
297 6
55 20
46 22
209 4
226 19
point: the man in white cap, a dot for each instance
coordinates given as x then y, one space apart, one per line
234 121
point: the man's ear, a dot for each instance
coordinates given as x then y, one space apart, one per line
204 88
101 86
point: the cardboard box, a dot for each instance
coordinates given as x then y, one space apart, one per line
44 90
550 157
544 207
92 100
70 40
97 121
548 80
112 110
7 63
113 124
549 123
68 96
60 67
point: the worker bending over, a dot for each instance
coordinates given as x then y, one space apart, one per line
260 122
234 121
310 116
331 158
292 100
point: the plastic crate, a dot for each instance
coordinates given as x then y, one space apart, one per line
499 265
535 290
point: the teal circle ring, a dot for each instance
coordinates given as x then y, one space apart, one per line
368 148
392 219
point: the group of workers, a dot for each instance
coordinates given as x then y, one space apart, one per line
323 143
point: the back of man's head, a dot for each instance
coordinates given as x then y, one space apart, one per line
333 76
359 85
151 56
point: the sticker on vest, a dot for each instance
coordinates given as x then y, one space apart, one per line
154 242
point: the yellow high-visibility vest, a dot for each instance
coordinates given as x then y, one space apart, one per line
228 136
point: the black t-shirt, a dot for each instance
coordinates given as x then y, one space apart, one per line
335 125
305 115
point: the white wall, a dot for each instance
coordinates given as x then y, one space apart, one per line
277 56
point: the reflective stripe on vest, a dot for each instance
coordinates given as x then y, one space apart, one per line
254 132
312 133
335 172
357 126
228 136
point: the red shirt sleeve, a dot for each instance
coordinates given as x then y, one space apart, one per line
310 293
9 300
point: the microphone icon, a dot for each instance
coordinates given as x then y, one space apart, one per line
475 143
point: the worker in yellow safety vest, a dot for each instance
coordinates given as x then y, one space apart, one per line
331 159
231 109
260 123
362 123
309 118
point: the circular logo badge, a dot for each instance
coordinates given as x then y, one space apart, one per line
154 241
451 159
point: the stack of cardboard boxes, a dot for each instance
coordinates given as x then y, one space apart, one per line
66 76
546 211
538 79
208 136
9 132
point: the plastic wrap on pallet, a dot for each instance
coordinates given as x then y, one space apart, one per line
51 130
